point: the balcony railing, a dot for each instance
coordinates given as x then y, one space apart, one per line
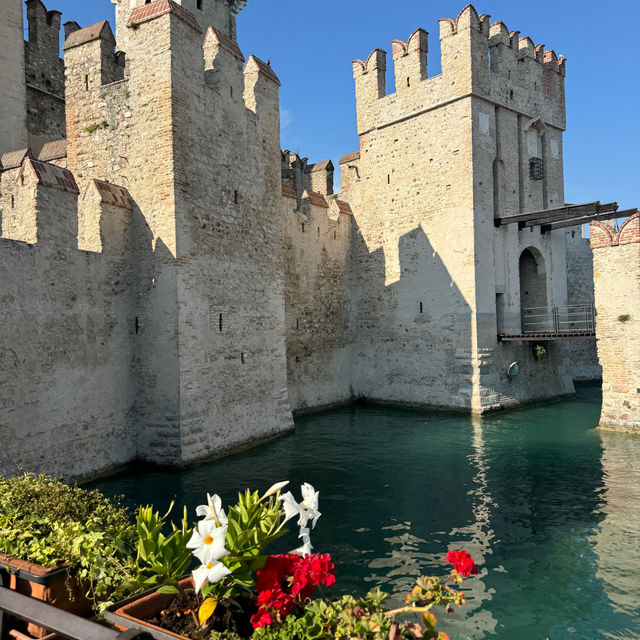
568 319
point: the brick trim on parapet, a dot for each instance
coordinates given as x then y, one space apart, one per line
217 38
315 198
288 191
109 193
49 175
160 8
13 159
344 207
263 68
603 234
88 34
350 157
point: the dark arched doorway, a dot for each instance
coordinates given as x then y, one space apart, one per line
536 315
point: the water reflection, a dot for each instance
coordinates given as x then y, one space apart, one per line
549 508
617 540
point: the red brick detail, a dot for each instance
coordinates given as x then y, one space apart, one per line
50 175
215 38
53 151
601 234
315 198
288 191
89 34
110 194
160 8
265 69
350 157
344 207
13 159
630 230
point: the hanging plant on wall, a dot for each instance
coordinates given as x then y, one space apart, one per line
539 350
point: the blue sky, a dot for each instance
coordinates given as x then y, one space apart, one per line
311 44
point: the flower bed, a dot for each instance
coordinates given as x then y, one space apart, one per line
238 591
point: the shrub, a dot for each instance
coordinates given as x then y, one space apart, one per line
46 521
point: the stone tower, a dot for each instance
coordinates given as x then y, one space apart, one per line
13 106
220 14
440 158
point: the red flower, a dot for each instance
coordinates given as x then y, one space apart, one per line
261 619
462 562
287 580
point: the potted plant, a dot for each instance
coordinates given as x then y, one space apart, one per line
238 591
70 547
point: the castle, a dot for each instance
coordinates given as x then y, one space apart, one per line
175 286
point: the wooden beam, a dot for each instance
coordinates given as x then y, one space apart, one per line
572 209
599 208
574 222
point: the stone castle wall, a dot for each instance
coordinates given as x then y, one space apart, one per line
616 265
583 353
317 302
205 284
440 158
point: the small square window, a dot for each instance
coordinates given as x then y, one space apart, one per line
536 169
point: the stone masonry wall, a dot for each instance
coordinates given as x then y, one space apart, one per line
66 330
616 264
582 353
13 104
44 76
317 304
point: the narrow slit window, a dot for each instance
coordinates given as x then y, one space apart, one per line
408 82
303 227
318 232
220 322
199 4
86 82
13 202
235 196
242 360
137 325
231 91
388 178
297 323
421 307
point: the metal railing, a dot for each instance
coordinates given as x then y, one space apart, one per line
59 622
575 318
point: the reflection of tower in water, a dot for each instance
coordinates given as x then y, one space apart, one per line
618 538
476 538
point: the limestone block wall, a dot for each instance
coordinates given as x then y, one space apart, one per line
44 75
66 330
13 105
582 353
616 265
317 301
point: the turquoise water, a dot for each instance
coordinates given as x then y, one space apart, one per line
548 507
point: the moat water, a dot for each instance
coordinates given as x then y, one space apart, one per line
548 507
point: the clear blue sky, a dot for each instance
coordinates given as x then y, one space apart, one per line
311 43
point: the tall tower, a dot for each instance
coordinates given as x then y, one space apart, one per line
439 159
13 106
220 14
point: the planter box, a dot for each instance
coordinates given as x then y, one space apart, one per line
47 584
130 613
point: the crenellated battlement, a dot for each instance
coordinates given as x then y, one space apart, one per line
478 58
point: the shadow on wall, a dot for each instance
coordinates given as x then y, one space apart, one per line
82 335
411 339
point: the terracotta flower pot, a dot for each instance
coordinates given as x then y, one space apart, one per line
51 585
131 613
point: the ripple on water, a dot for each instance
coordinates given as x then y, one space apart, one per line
548 507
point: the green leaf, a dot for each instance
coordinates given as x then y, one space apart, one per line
166 588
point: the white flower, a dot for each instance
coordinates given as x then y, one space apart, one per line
213 510
306 510
274 489
290 506
211 572
309 504
306 547
207 541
